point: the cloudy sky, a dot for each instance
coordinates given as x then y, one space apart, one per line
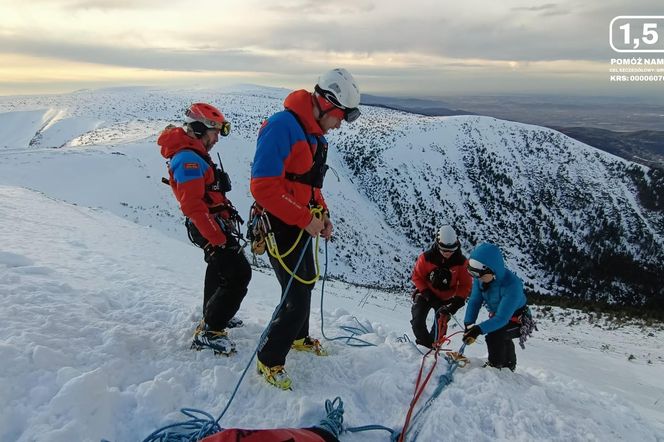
408 48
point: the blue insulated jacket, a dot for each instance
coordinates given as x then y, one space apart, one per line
502 297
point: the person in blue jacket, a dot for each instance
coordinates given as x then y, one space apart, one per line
502 293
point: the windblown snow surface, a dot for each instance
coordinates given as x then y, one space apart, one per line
100 293
97 313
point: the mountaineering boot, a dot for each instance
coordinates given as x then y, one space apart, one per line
234 322
511 367
309 344
276 375
216 340
427 344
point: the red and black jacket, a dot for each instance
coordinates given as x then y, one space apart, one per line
460 282
194 182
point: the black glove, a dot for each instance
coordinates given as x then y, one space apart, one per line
454 304
471 334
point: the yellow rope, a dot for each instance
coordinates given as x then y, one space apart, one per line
273 250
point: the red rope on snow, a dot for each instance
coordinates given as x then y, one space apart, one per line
419 388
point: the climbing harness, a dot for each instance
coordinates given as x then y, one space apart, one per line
225 214
273 250
315 176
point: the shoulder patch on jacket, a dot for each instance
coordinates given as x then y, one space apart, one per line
191 169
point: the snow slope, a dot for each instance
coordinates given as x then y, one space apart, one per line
96 314
118 167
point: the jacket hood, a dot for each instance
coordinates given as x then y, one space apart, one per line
301 103
174 139
490 255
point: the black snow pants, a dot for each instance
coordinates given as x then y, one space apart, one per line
292 320
419 312
226 279
500 346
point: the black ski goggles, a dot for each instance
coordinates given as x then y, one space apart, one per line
477 269
447 247
225 129
350 113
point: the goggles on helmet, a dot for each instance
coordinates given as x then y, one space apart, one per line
350 114
447 247
224 127
477 269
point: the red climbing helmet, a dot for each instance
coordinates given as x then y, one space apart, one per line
209 116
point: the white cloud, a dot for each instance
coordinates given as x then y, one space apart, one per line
299 37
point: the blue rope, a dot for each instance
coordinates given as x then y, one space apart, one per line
191 430
197 428
444 380
406 338
354 331
333 423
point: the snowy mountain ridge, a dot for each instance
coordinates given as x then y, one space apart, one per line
566 214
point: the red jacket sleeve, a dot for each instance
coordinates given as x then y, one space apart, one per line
190 195
420 275
271 194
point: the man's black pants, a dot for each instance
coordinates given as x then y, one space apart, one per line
419 312
226 279
292 320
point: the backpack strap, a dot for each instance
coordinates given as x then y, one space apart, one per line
313 177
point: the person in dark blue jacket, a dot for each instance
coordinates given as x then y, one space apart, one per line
502 293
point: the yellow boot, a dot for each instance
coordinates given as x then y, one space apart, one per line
276 375
309 344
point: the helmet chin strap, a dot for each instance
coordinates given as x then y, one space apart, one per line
320 113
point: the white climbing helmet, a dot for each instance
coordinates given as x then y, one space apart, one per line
341 85
446 238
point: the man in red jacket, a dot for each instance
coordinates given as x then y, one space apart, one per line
442 283
212 222
286 180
